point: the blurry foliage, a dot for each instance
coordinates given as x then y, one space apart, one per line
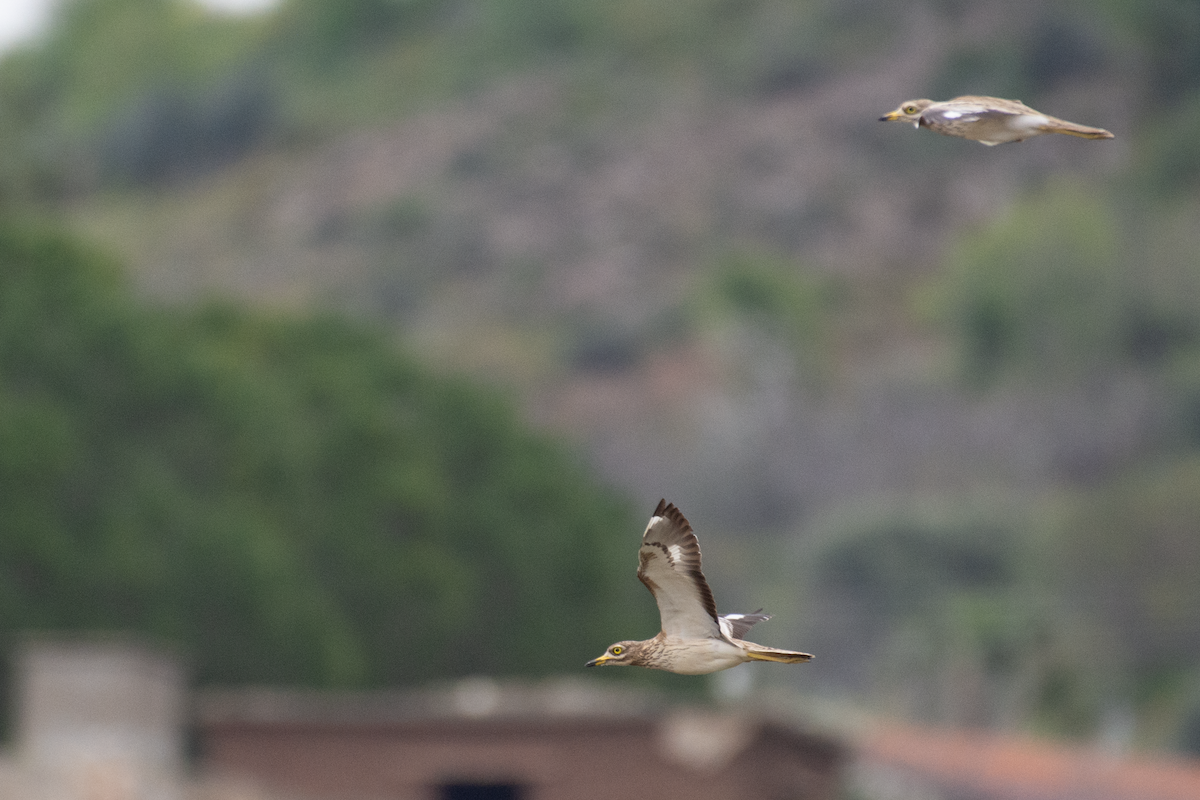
1167 34
322 31
948 604
772 298
417 244
288 499
997 67
151 90
1060 289
901 566
135 90
1131 556
102 54
601 344
169 133
771 291
1050 614
1189 731
193 89
1127 557
1168 160
1053 44
1049 48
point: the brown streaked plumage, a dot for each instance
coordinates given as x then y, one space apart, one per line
990 120
694 639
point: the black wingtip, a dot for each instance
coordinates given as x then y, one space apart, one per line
671 512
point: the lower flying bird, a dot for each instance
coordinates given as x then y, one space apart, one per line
991 120
694 640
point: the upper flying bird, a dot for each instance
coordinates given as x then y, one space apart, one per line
991 120
694 640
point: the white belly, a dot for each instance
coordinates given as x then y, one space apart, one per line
1009 129
702 656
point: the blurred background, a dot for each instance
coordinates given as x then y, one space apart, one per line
350 343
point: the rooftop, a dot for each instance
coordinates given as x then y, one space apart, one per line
986 766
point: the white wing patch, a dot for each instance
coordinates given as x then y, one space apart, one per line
676 553
965 116
736 626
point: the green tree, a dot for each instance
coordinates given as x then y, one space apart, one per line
288 498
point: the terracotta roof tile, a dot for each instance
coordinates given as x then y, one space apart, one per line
1005 767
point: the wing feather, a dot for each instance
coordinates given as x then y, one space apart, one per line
736 626
669 565
945 115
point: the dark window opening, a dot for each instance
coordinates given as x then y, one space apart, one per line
481 791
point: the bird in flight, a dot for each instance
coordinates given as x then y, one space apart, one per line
694 640
991 120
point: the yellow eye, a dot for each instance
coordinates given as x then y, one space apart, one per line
910 109
617 650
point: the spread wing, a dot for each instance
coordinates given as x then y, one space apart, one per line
670 567
736 626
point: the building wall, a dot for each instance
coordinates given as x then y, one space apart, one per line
548 760
782 767
104 717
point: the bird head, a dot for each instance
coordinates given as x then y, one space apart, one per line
621 654
908 111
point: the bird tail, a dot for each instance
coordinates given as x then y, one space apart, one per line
758 652
1071 129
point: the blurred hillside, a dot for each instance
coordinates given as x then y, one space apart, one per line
954 389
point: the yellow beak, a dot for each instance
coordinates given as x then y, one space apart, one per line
597 662
891 116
